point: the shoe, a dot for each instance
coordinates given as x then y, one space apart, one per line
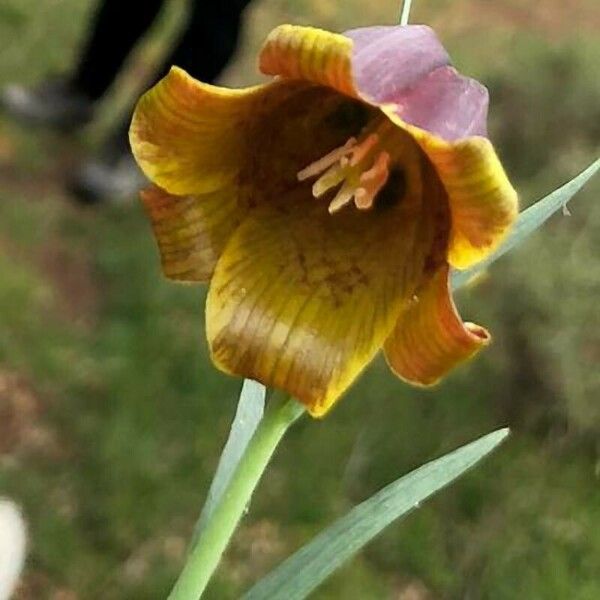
109 177
53 103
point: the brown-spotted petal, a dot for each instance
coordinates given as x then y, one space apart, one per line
191 231
430 338
302 301
189 137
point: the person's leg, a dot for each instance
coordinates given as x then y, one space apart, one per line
114 32
67 103
205 47
210 39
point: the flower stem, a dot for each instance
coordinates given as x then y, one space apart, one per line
404 16
206 554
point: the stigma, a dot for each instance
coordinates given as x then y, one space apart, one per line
358 170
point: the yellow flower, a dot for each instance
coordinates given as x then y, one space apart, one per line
327 206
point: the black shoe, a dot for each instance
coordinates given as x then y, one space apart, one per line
110 177
53 103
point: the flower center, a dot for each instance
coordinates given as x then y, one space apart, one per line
359 169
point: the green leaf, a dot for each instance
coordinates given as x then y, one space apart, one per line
529 220
300 574
248 415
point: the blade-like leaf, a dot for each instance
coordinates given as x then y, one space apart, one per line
249 412
529 220
311 565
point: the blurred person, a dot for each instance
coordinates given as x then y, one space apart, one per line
203 49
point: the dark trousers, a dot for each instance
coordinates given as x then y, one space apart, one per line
203 49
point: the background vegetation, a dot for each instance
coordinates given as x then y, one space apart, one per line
112 418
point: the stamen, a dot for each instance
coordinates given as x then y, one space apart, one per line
326 161
361 151
343 197
372 181
329 179
360 166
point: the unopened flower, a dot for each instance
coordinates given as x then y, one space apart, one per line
327 206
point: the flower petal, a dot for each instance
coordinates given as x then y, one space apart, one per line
371 63
483 203
302 301
389 60
191 231
407 69
446 104
429 338
311 54
188 137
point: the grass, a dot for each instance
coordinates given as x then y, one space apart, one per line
112 418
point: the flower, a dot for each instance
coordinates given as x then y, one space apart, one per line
327 206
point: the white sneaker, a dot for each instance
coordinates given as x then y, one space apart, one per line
52 103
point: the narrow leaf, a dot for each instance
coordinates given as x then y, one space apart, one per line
249 413
300 574
529 220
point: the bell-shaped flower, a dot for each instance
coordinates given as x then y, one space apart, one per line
327 206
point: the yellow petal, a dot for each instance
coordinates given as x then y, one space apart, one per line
191 231
430 338
483 203
310 54
188 137
302 301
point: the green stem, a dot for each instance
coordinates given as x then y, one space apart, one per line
206 554
405 12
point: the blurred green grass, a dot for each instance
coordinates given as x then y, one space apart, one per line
112 418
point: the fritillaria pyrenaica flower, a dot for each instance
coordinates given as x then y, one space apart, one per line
327 206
